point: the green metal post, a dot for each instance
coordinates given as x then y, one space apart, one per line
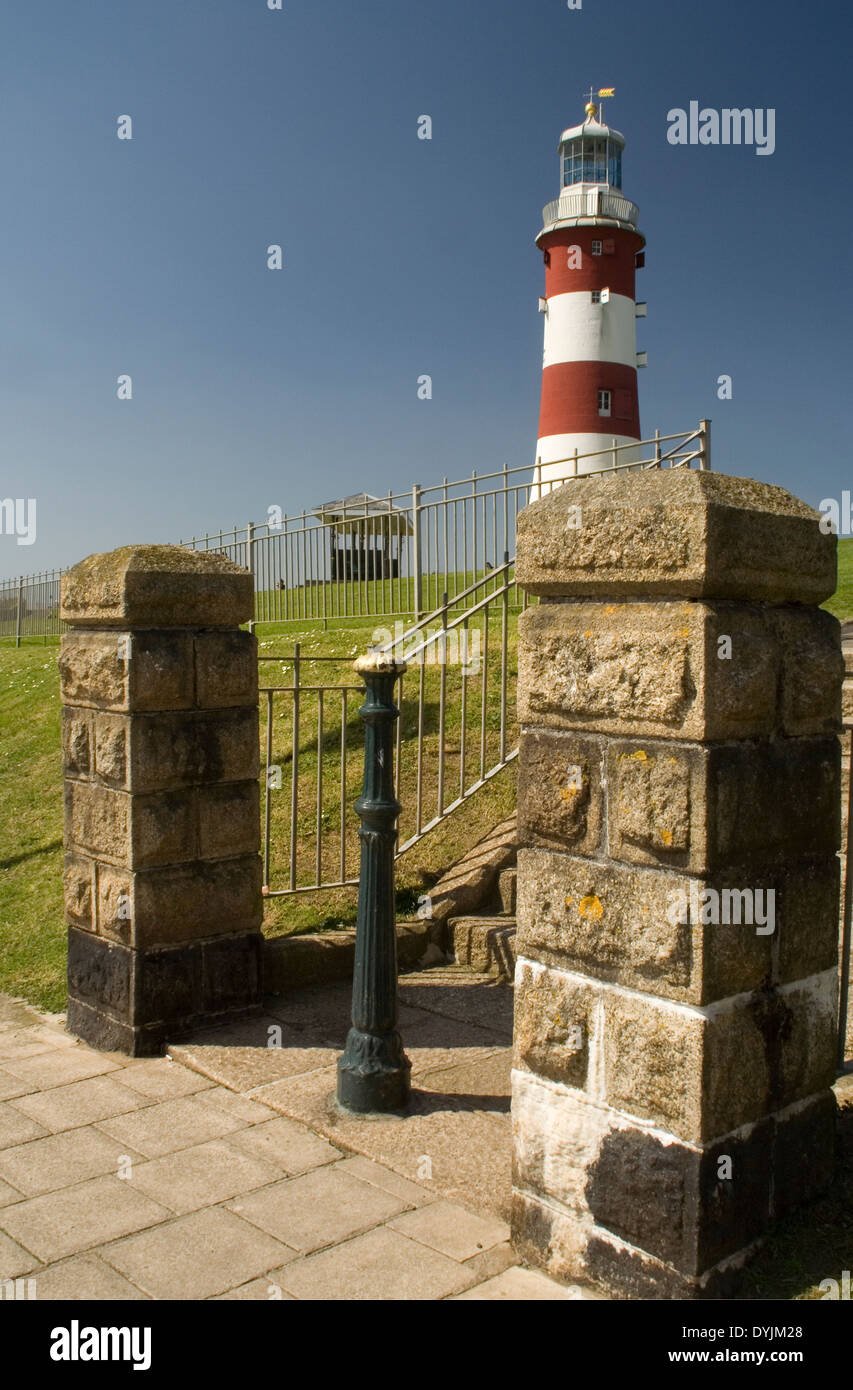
374 1071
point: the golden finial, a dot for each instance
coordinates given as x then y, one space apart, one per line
591 110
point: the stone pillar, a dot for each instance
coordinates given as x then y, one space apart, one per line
162 830
679 696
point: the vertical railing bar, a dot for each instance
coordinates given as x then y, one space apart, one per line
343 856
484 676
444 519
399 739
464 501
389 593
20 614
286 574
294 766
366 569
435 567
504 661
463 660
508 543
267 808
319 847
442 697
419 794
417 597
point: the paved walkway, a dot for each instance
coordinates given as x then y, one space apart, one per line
224 1172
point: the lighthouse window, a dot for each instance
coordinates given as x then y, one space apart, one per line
596 248
604 402
596 294
593 161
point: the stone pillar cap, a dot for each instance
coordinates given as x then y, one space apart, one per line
679 532
156 586
379 664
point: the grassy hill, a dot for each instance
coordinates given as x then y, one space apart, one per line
841 603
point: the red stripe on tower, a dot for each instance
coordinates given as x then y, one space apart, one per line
591 248
570 392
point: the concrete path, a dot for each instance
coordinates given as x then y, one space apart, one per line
224 1172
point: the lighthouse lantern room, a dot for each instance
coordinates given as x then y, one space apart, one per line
592 249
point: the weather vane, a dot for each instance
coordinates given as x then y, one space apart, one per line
591 108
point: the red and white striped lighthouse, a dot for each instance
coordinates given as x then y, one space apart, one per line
592 249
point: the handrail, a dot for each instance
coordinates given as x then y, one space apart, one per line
450 603
448 627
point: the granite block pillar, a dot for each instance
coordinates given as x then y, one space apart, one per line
162 831
679 697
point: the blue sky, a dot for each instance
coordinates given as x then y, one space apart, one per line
401 256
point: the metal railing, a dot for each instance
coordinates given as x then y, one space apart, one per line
393 556
455 733
592 202
29 606
423 543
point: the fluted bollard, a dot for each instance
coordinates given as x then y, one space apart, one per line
373 1072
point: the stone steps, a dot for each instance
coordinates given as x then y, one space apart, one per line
485 945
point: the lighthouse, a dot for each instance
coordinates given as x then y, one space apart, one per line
592 250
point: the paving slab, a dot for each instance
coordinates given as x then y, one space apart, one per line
168 1125
14 1258
159 1078
46 1070
84 1278
61 1160
12 1086
76 1218
8 1193
319 1208
485 1076
16 1128
16 1013
197 1256
381 1265
264 1290
244 1067
414 1194
466 997
486 1264
201 1176
76 1104
293 1148
322 1011
32 1041
451 1230
522 1285
237 1107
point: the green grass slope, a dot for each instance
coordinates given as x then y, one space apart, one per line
32 932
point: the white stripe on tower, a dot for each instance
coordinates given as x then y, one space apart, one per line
578 330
